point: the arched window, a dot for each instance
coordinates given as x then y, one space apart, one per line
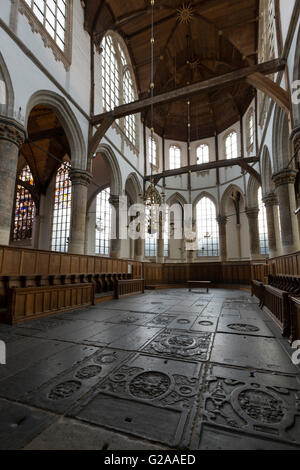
175 157
166 232
24 207
231 149
62 209
53 16
152 147
110 75
117 84
103 222
207 228
250 131
202 154
262 226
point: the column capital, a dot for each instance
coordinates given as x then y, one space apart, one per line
114 200
252 212
82 177
295 137
222 220
287 176
12 131
270 200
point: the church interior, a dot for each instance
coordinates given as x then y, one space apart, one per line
150 225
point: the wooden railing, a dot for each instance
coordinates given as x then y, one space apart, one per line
289 264
257 289
29 303
129 287
294 303
276 303
290 284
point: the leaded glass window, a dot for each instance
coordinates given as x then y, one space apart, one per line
24 207
175 157
150 238
62 209
117 84
231 148
52 14
250 131
207 228
103 222
262 226
202 154
166 233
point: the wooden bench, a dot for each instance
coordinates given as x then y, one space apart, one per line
128 287
200 284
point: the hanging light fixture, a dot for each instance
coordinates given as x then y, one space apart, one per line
151 197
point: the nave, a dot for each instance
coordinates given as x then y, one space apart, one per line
169 369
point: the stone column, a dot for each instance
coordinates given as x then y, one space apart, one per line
285 188
271 203
80 183
115 242
160 242
295 138
222 222
12 136
252 215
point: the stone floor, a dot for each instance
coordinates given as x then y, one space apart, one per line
167 369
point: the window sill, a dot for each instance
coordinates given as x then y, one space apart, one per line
38 27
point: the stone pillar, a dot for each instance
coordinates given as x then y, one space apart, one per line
285 188
115 242
160 242
271 203
252 215
80 183
222 222
12 136
295 138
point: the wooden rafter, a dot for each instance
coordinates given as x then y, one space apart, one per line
270 88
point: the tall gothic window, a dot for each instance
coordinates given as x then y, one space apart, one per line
52 14
110 75
262 226
24 207
231 148
103 222
117 84
62 209
250 131
202 154
150 238
175 157
152 148
207 228
166 233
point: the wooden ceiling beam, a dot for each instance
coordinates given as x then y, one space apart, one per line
135 107
272 89
204 167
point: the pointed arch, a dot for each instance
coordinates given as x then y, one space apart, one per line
111 159
133 187
7 92
267 172
252 192
177 198
296 107
68 121
231 189
281 140
209 196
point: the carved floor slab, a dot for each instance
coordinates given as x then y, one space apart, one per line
180 344
252 327
149 397
261 405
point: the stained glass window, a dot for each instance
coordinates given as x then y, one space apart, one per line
202 154
175 157
103 222
231 148
62 209
262 226
24 208
52 15
207 228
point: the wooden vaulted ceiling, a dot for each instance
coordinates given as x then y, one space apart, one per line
45 134
220 37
